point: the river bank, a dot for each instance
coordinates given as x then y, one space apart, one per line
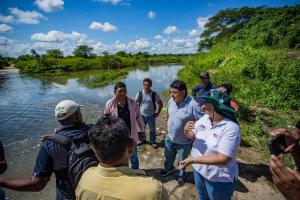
10 69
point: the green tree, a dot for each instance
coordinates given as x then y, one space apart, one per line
3 62
55 53
34 54
83 51
24 57
122 53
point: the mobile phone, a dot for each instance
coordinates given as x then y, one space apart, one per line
277 145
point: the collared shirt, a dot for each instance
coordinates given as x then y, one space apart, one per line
111 108
117 183
179 115
200 90
52 156
223 137
146 105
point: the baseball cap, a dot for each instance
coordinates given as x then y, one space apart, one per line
204 75
65 108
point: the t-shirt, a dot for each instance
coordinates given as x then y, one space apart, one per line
200 90
179 115
117 183
223 137
52 156
123 113
146 105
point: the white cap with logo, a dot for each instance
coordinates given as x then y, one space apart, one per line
65 108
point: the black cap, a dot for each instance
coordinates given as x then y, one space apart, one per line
204 75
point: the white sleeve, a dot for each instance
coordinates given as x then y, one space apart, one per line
137 96
230 140
199 124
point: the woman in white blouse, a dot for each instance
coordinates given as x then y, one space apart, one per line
216 139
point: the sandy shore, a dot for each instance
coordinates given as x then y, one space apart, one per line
9 70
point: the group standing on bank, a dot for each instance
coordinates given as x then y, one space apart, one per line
202 132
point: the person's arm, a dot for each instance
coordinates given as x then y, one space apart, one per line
41 175
25 184
160 106
286 180
3 164
189 130
296 156
217 159
139 119
107 108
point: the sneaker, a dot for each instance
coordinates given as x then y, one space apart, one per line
180 181
139 143
154 145
165 173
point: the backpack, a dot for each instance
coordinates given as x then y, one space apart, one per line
152 97
80 157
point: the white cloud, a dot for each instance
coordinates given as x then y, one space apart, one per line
202 21
119 46
138 45
26 17
5 28
58 36
6 19
170 30
193 33
50 5
158 37
151 14
106 27
114 2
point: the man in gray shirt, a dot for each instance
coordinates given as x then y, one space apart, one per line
148 101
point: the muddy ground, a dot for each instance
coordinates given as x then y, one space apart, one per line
254 179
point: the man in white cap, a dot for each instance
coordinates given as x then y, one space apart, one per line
52 157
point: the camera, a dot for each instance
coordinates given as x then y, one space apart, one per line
277 145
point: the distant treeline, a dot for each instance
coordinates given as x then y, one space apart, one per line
257 50
83 59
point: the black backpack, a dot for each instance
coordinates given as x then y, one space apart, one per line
80 157
152 97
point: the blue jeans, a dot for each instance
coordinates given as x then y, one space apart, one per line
171 149
2 194
150 120
134 160
209 190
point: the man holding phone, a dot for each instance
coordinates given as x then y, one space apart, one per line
287 180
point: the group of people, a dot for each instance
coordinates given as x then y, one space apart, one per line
202 132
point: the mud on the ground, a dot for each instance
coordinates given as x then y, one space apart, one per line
254 179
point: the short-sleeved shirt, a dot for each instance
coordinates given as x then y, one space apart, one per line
146 105
200 90
124 113
52 156
117 183
179 115
223 137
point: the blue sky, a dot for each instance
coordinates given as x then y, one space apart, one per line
155 26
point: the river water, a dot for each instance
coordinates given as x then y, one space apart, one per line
27 112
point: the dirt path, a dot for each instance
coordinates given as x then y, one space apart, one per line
254 176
